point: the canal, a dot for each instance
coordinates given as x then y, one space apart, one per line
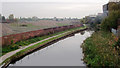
66 52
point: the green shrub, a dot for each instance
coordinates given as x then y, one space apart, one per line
111 21
14 46
9 48
105 25
12 41
98 52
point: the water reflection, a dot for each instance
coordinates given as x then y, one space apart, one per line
66 52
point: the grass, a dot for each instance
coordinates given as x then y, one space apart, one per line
61 24
20 25
24 51
99 50
17 45
37 45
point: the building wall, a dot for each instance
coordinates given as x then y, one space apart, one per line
105 10
6 40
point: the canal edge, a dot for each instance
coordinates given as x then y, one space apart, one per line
10 59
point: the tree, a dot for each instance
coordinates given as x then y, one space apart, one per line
105 24
11 18
111 21
113 17
114 6
34 18
3 18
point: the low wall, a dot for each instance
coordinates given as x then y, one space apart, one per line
7 40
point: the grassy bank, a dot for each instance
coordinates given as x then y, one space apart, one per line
100 50
29 41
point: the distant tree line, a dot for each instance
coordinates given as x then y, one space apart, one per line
10 19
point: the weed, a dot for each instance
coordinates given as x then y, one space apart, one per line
98 52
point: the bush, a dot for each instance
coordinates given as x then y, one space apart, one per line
105 24
111 21
99 51
114 15
14 47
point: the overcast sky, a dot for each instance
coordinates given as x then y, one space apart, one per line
52 8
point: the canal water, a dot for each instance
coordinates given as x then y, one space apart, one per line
66 52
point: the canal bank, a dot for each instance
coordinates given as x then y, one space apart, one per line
65 52
101 50
38 45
